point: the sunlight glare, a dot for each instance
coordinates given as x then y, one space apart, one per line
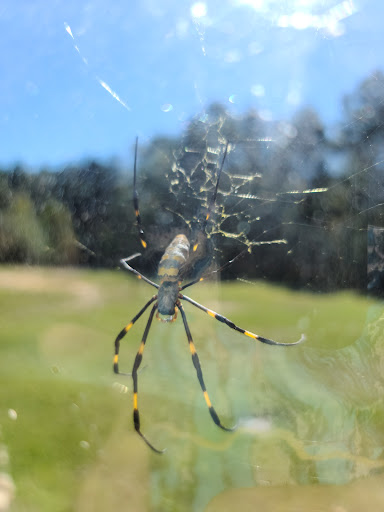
199 10
68 29
330 20
12 414
303 14
166 107
112 93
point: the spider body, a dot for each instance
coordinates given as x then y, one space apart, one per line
167 302
170 269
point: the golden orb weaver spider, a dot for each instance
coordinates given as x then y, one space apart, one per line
167 302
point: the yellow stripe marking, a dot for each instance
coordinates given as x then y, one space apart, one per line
176 257
207 399
195 247
251 335
192 348
211 313
143 243
168 279
141 348
116 359
126 329
207 217
135 401
173 272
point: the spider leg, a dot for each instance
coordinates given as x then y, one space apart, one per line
196 363
214 196
213 200
136 201
136 364
230 324
123 332
217 271
125 265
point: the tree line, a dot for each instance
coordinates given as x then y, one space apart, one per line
312 189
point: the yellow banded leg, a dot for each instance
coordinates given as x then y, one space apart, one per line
212 202
136 365
124 264
136 201
217 271
123 332
196 363
230 324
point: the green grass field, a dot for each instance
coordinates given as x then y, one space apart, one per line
307 415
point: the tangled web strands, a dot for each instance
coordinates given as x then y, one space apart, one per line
241 204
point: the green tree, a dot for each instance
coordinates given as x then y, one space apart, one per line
56 223
22 238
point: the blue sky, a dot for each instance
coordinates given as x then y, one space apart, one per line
164 62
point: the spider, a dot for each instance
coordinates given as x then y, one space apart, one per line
167 302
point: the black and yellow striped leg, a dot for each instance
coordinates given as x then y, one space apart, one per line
123 332
213 199
124 264
196 363
230 324
216 271
136 202
136 364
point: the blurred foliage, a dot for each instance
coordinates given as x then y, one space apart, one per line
317 189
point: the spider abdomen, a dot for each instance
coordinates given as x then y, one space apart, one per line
173 260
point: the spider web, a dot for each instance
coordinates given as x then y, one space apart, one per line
249 211
193 178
